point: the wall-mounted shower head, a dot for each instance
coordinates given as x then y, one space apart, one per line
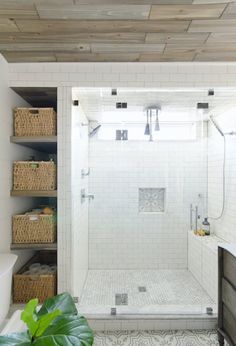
94 131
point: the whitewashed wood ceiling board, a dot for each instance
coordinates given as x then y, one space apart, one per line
230 11
222 38
100 26
29 56
186 11
18 10
214 25
7 25
216 56
133 2
94 12
202 2
155 30
107 37
168 56
18 47
127 48
112 57
35 2
176 38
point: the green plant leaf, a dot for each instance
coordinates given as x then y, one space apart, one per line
29 315
45 321
15 339
64 302
67 331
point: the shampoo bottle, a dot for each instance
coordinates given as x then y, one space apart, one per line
206 226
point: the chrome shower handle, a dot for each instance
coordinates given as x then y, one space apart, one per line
85 174
89 196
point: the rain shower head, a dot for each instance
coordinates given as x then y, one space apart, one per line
152 111
157 125
147 130
147 127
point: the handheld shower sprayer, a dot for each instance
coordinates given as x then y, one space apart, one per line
216 125
223 134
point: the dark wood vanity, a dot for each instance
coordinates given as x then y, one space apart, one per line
227 297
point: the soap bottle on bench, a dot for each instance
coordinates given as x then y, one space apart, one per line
206 226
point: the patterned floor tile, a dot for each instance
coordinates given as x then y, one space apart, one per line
164 338
165 289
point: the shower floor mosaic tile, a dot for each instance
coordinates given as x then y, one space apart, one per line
165 338
167 291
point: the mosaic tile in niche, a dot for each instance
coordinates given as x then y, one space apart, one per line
151 200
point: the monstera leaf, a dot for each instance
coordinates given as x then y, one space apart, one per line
56 323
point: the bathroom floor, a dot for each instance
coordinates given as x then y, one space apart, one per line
143 291
170 338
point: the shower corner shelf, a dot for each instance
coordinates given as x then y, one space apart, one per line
19 193
47 144
34 246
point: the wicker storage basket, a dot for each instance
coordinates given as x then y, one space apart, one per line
33 228
26 287
34 175
35 122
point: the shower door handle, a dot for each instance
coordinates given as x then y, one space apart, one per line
191 216
196 217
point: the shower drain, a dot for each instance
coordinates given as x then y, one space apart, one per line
121 299
142 289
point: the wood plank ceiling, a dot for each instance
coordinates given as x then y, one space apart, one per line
118 30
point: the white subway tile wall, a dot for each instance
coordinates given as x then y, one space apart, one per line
119 236
153 75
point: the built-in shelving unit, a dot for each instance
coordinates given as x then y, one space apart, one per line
45 149
19 193
44 246
37 97
47 144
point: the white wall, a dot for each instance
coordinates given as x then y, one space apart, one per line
226 226
8 153
79 161
119 236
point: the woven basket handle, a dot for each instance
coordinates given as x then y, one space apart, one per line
33 218
34 165
34 278
34 111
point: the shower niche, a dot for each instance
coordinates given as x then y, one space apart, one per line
152 200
